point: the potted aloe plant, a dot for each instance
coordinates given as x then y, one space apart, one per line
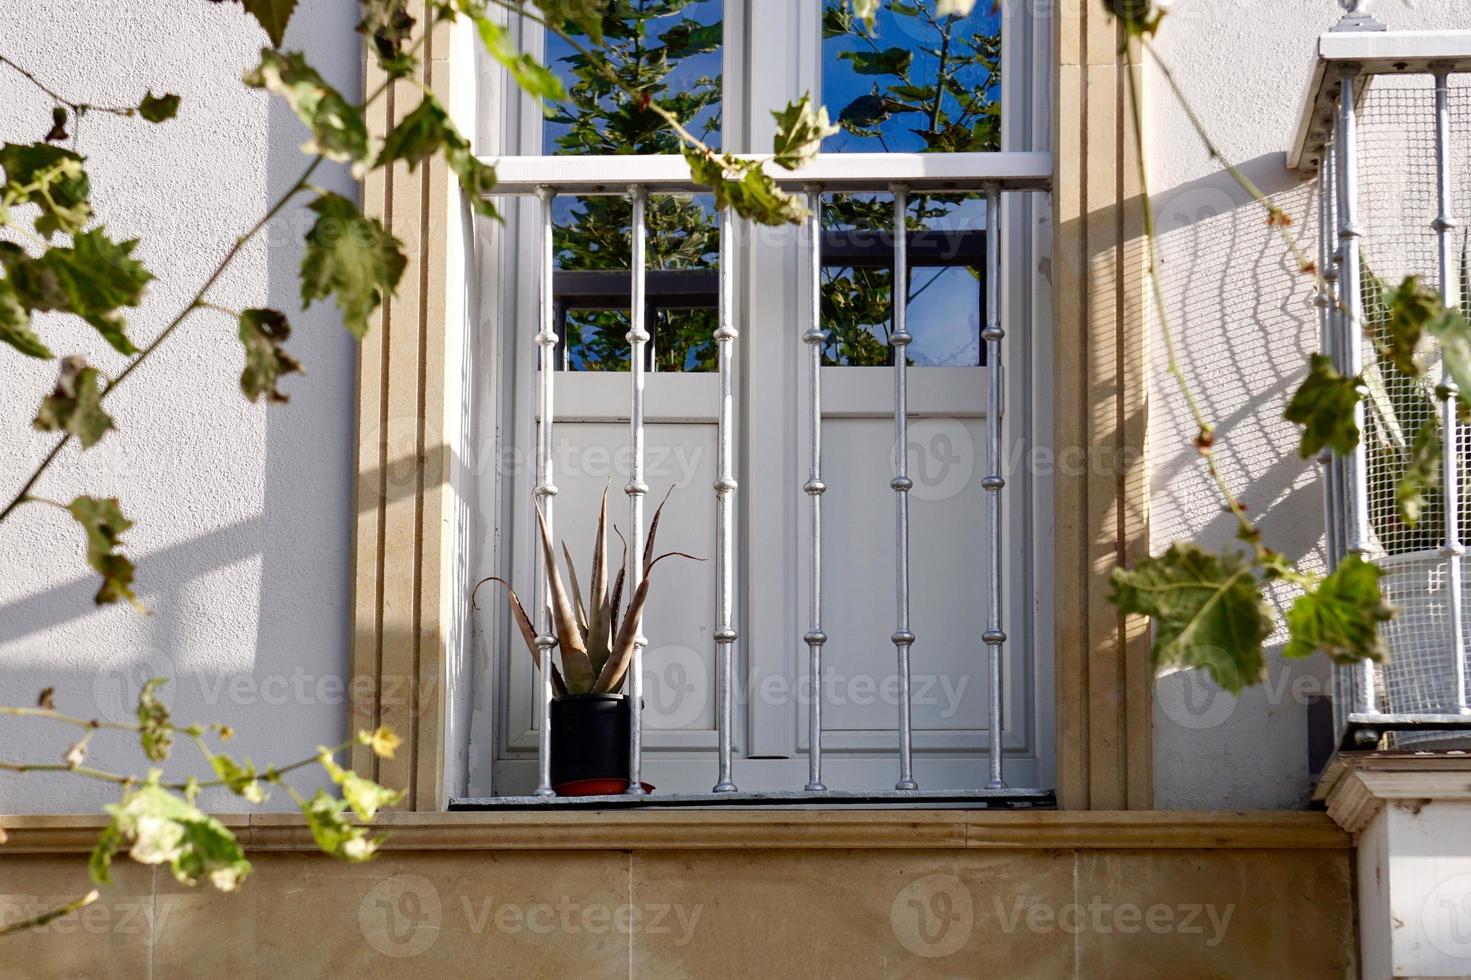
591 716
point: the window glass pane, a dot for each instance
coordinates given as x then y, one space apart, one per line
670 49
946 246
593 287
921 83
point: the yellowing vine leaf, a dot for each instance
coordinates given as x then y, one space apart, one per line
746 187
262 332
1208 612
159 827
800 130
52 179
75 406
866 11
104 523
954 8
339 130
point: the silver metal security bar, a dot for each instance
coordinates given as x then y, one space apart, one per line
1376 98
994 175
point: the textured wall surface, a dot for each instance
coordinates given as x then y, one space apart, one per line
243 514
1246 323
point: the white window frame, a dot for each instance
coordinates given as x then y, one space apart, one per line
787 29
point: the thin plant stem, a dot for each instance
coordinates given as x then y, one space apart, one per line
80 108
197 302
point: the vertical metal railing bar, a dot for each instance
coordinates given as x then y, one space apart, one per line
1350 235
1325 302
637 489
725 487
899 339
1328 328
1453 550
993 483
1338 468
814 487
545 490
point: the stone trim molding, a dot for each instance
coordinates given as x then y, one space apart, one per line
727 829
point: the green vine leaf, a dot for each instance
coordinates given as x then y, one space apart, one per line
93 279
104 523
1324 406
75 407
15 324
52 179
262 332
161 828
351 257
1410 309
800 130
428 130
1422 473
273 15
1452 332
530 74
1341 617
744 186
587 15
158 108
890 61
1208 612
339 130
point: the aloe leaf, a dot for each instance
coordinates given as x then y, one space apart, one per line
576 668
528 632
610 679
577 604
599 636
654 532
615 602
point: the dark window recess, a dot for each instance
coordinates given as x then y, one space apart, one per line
699 289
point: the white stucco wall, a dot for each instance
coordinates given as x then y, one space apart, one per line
243 514
1246 324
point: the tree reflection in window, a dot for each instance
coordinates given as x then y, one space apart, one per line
669 49
919 84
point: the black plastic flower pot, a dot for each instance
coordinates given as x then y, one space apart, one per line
590 744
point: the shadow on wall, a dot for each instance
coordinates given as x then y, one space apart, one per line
1245 322
1244 319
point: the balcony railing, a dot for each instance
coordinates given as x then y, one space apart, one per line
1387 131
993 174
